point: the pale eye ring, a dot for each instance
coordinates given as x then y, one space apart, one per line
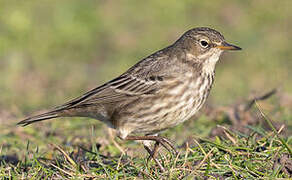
204 43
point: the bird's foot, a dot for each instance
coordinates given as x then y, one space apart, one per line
152 153
158 139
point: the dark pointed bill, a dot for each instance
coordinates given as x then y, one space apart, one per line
227 46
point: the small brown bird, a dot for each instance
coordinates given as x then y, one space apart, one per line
159 92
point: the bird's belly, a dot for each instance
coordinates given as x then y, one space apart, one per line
168 118
176 108
185 111
192 100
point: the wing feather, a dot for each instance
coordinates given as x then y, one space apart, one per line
114 91
145 77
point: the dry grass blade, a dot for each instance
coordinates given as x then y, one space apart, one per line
269 122
201 148
228 134
176 159
60 169
209 154
205 158
186 154
72 162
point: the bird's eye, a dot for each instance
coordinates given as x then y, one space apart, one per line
204 43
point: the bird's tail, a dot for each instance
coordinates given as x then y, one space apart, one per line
40 117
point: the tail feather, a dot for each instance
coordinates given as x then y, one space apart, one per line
40 117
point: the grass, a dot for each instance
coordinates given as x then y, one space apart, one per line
259 154
248 159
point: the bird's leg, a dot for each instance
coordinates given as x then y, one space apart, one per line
161 140
170 144
152 155
154 151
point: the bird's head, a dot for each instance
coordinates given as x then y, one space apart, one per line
204 44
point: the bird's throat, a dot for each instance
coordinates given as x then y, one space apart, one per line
210 63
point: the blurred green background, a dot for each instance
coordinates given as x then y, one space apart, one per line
52 51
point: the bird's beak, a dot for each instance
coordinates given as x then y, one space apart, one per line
227 46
